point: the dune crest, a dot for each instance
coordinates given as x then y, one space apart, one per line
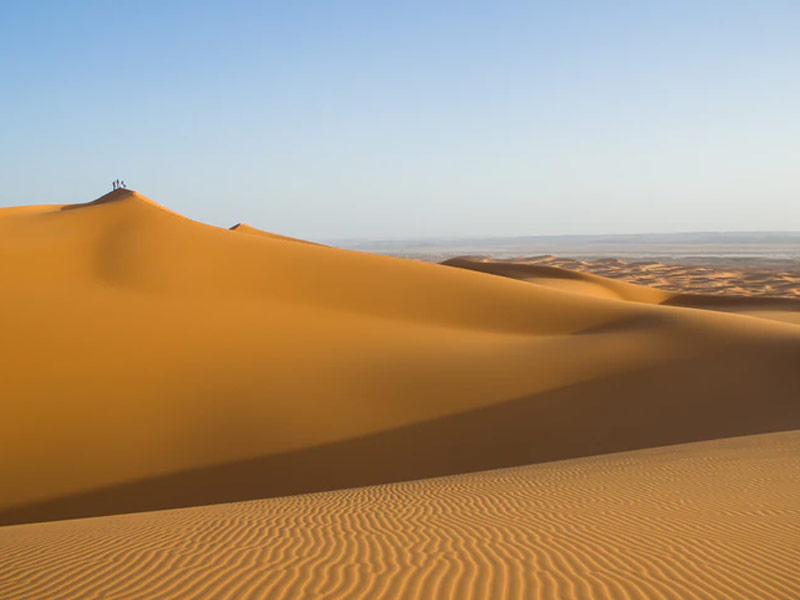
150 361
118 195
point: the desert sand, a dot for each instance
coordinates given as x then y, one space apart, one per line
153 362
707 520
678 278
758 293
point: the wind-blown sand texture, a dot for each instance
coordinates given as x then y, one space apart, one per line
709 520
149 362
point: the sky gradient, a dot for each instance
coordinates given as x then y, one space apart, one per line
379 120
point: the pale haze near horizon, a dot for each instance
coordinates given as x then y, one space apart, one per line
381 120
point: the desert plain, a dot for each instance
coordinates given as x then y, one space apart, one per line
200 412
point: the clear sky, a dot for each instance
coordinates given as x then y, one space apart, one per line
384 119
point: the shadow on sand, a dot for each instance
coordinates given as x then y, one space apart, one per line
729 394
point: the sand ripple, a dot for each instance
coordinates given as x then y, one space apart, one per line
708 520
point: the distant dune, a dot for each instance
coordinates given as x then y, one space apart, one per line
753 293
562 279
150 361
708 520
680 279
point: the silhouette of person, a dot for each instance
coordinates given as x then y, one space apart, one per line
113 185
122 184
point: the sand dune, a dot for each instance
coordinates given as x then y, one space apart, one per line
707 520
694 279
150 362
562 279
707 288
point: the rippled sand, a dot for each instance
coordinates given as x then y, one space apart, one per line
706 520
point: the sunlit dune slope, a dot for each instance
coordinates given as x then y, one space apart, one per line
699 521
149 361
774 308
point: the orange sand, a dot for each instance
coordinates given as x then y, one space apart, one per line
700 521
150 361
695 279
704 287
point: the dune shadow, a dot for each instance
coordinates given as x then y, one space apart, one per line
731 393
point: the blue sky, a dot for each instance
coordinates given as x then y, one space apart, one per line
411 119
